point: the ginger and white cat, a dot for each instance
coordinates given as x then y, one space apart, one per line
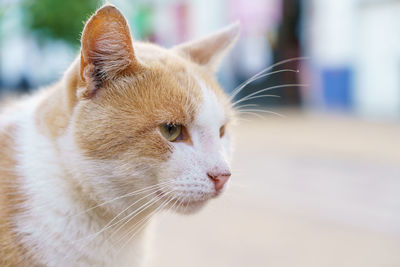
131 129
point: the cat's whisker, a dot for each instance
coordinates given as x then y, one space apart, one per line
143 190
133 214
250 80
254 97
182 201
143 222
125 220
187 204
263 111
247 105
91 237
268 89
173 205
256 77
252 113
110 223
133 227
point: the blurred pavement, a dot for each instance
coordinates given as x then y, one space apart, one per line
306 191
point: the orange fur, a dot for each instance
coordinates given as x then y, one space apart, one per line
12 252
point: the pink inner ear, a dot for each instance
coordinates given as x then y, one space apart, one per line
209 51
107 45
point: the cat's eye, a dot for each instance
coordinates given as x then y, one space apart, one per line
171 132
222 131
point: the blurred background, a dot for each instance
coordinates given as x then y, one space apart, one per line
316 185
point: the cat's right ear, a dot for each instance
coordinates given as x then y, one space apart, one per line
107 50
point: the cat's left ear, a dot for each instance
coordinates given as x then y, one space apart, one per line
107 50
210 50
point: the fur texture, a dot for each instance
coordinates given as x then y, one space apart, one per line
83 162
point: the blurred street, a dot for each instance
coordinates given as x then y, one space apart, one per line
307 191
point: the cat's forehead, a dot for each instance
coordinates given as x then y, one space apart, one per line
172 88
199 88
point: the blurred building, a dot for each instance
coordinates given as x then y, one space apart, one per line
25 62
354 49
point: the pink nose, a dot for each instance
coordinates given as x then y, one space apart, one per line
219 179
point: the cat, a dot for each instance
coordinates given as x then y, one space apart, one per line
130 130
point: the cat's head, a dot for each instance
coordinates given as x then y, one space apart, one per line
151 119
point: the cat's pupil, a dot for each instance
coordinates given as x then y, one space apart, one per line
171 128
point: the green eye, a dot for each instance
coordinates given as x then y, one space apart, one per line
171 132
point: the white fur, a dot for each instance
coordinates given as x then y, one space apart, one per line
190 164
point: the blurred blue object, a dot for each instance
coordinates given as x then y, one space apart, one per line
337 87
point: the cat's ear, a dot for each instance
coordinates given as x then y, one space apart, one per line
210 50
107 50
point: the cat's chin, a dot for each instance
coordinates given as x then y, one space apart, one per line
191 207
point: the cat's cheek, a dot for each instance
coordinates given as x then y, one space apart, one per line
180 162
227 147
182 169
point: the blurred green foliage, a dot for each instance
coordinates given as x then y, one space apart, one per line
58 19
143 21
2 11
